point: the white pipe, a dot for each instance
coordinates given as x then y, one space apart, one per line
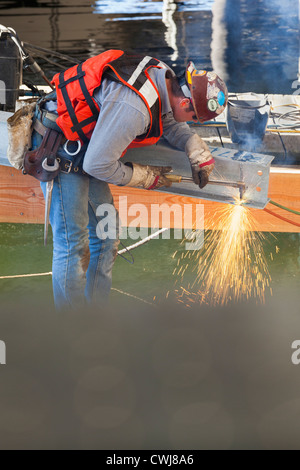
284 170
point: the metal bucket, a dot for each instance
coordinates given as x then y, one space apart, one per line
247 120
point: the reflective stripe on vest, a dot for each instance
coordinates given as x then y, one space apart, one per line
76 107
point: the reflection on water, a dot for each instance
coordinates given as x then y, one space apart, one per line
255 45
171 29
148 6
128 6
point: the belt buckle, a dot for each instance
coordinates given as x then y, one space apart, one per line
67 164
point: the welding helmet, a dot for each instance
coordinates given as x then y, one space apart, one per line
206 90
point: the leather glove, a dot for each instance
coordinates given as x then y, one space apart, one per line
149 177
201 160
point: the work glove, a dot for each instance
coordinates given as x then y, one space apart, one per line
148 177
201 160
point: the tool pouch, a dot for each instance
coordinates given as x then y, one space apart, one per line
19 127
41 163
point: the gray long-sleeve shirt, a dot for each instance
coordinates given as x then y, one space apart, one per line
123 117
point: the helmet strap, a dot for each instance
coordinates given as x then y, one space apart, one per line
183 85
186 91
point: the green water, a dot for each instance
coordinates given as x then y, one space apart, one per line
150 277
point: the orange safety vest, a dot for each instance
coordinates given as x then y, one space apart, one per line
77 109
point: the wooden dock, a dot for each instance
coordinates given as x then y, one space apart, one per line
21 201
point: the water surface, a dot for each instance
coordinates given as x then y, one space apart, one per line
253 44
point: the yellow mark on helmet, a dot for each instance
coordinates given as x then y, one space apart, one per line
189 77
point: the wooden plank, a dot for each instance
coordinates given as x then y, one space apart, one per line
21 201
21 197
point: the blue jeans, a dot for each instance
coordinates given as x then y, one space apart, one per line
82 262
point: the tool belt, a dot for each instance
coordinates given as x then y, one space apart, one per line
43 163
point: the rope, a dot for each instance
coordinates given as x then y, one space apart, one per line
120 252
26 275
141 242
53 53
280 138
284 131
270 128
50 273
133 296
220 137
282 218
284 208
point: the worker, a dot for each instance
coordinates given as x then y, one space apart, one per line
103 106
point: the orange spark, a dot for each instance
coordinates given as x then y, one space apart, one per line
231 266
